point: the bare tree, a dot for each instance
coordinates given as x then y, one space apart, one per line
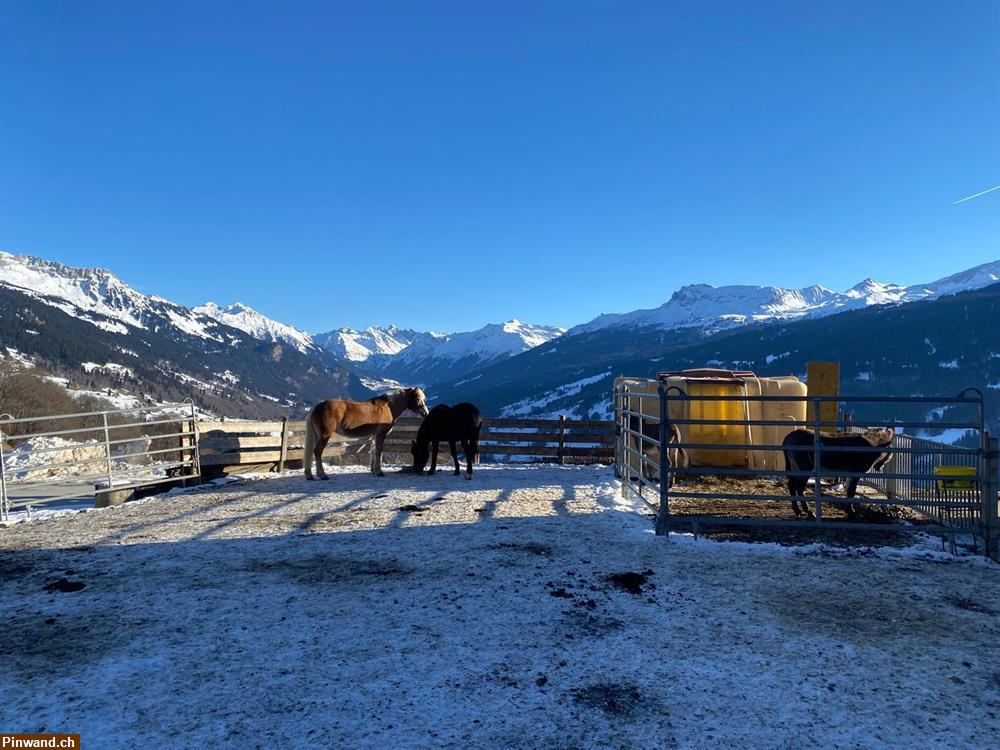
25 394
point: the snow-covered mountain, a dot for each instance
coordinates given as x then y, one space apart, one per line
936 346
100 298
373 345
238 315
716 308
490 341
428 357
89 325
89 329
440 357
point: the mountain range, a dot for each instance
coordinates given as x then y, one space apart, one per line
94 330
718 308
89 328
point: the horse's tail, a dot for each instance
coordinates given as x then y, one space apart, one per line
310 443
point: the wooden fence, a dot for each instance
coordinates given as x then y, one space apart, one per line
233 446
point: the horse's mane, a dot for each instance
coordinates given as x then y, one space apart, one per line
388 395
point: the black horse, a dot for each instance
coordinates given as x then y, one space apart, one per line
453 424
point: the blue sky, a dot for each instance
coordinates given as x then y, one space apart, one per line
442 165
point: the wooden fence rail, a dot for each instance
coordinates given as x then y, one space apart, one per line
234 446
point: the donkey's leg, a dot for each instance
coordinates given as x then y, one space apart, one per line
806 506
454 456
467 450
797 487
795 505
434 457
852 489
318 455
377 458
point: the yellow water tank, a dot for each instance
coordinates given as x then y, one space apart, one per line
739 439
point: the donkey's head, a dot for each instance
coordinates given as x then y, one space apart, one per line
882 439
416 401
879 437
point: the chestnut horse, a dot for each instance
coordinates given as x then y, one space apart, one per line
352 419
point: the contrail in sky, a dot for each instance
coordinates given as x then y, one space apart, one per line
976 195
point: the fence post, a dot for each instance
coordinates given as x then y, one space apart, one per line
182 445
196 443
624 472
989 497
892 467
617 430
107 449
284 444
817 457
663 514
562 438
4 504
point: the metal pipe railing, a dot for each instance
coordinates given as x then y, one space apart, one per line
119 471
909 478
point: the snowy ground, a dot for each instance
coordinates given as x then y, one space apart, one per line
435 612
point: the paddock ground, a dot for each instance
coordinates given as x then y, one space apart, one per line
529 607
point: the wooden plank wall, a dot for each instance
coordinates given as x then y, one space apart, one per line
231 446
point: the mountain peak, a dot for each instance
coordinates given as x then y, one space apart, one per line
371 345
245 318
868 285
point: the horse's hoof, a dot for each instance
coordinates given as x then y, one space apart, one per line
310 477
325 478
380 473
455 473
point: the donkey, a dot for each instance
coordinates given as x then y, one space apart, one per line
872 457
352 419
676 457
459 423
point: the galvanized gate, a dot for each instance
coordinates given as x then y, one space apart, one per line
71 456
953 487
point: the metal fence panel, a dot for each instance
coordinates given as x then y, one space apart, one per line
32 475
953 487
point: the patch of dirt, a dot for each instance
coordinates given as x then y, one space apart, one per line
329 569
630 581
724 507
65 586
612 699
413 509
35 647
858 616
23 565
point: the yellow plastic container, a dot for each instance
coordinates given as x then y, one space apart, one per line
959 477
643 398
